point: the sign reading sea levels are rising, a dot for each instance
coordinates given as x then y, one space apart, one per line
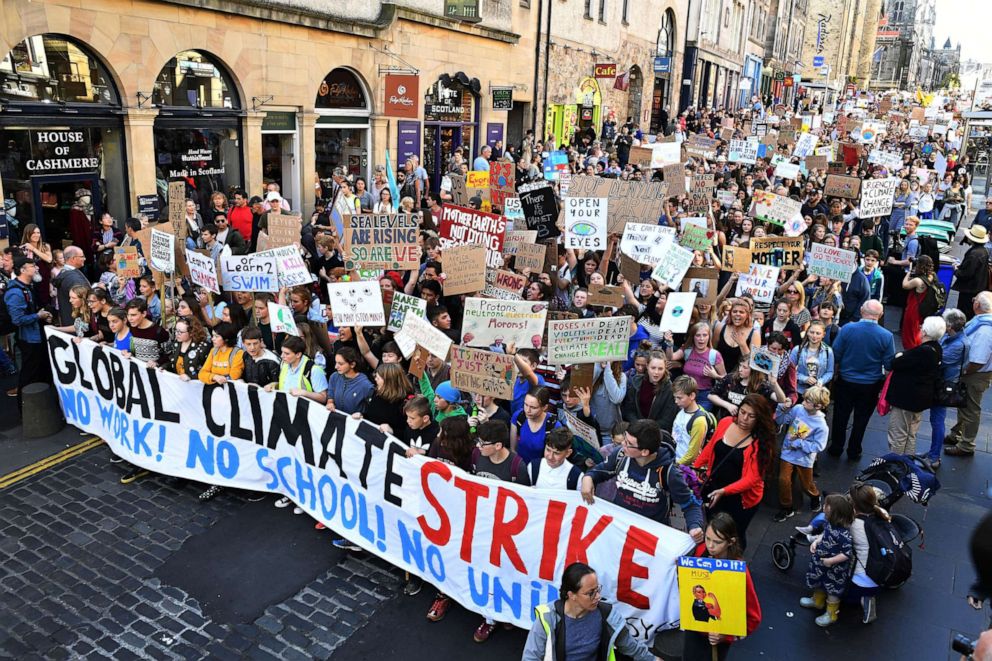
588 340
382 241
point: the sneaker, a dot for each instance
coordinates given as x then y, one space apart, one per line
806 530
950 440
413 586
319 526
210 493
12 392
870 612
283 502
958 451
345 545
815 504
784 514
297 510
483 631
133 474
439 608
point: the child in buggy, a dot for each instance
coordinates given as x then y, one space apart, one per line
876 489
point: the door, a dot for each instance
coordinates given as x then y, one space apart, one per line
440 142
53 197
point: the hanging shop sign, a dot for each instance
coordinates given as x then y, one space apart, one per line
61 151
502 98
401 95
608 70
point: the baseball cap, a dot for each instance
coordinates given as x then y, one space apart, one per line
272 196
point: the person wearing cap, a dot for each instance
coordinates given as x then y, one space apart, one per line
275 202
271 188
984 216
445 399
972 275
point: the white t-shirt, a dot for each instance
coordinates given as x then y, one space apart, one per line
860 540
553 478
680 433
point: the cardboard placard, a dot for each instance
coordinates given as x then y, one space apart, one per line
743 151
356 303
629 269
488 323
787 170
400 306
177 208
581 376
381 241
831 262
736 259
459 192
605 296
506 285
477 185
483 372
816 163
843 186
630 201
464 269
502 179
695 237
291 267
530 256
418 361
773 208
646 243
202 271
252 273
672 266
516 238
128 261
759 282
602 339
712 595
785 252
462 226
282 319
420 332
163 251
284 230
763 360
540 205
674 176
877 196
701 281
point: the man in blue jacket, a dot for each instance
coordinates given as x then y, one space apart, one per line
19 299
863 352
854 294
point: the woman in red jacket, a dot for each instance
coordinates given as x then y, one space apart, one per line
735 461
721 542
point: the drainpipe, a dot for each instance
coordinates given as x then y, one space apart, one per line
537 65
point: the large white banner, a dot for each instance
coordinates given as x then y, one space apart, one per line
497 548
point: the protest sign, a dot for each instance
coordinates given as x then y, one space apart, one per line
842 186
629 269
830 262
488 323
795 225
418 330
585 222
736 259
672 265
477 185
630 201
674 176
605 296
459 192
251 273
540 205
743 151
177 208
163 251
816 163
282 319
678 311
641 156
836 167
506 285
202 271
773 208
381 241
284 230
358 481
515 238
701 146
564 182
483 372
356 303
128 261
291 267
584 431
726 134
763 360
602 339
530 256
785 252
462 226
725 197
805 145
464 269
695 237
512 210
698 200
402 304
665 153
713 595
787 170
702 281
502 176
889 160
759 282
877 196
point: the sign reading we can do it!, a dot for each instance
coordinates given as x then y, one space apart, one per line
585 222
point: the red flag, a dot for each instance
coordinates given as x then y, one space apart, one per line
622 81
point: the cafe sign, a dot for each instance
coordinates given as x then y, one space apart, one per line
608 70
60 151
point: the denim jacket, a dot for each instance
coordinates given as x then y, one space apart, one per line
825 365
955 355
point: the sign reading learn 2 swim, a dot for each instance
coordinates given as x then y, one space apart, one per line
497 548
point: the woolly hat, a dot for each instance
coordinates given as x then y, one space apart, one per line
448 392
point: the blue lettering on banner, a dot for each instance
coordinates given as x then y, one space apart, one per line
76 406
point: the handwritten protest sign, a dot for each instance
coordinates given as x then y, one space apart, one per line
587 433
418 330
202 271
512 210
763 360
773 208
736 259
816 163
646 243
605 296
805 144
459 192
713 595
787 170
630 201
695 237
483 372
759 282
282 319
177 208
743 151
889 160
403 304
381 241
128 261
284 230
585 222
506 285
831 262
381 500
252 273
674 176
540 205
725 197
678 311
293 270
462 226
530 256
877 196
842 186
490 323
464 269
163 251
702 281
477 185
356 303
502 176
784 252
672 265
597 340
665 153
516 238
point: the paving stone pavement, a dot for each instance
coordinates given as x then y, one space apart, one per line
78 556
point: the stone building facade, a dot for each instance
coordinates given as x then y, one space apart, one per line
839 34
904 34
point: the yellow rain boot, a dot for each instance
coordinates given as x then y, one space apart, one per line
817 601
830 616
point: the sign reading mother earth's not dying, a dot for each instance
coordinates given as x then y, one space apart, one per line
381 241
597 340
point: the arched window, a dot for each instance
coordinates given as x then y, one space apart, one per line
343 136
664 46
194 79
51 68
341 90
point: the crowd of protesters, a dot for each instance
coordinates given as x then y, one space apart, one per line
687 424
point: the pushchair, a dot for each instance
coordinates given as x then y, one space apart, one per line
892 476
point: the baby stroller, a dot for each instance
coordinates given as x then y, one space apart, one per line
892 476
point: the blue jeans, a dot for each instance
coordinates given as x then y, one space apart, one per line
938 414
6 364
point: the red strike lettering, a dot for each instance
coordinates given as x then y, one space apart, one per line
503 531
552 534
579 544
473 491
637 540
438 536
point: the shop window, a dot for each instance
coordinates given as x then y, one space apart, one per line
462 10
341 147
193 79
207 159
341 90
54 69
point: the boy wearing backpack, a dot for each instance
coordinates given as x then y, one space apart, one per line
693 425
493 459
553 470
806 436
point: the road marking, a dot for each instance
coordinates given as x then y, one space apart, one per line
49 462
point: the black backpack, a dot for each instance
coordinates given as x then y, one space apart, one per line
890 560
6 323
934 298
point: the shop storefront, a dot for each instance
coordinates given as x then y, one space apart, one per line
62 132
565 119
198 128
343 133
661 95
280 145
750 82
451 120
